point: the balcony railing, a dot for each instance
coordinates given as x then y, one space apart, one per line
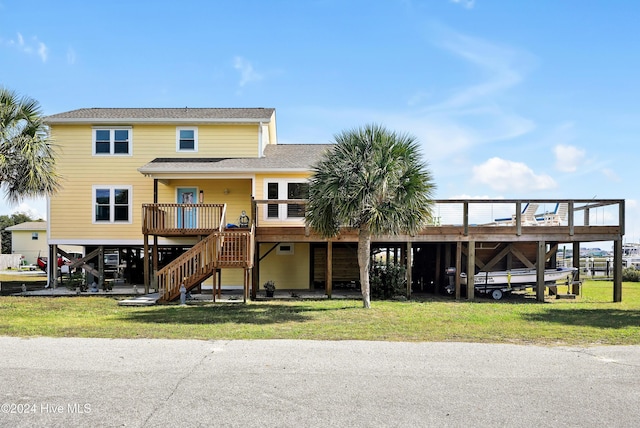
182 219
499 213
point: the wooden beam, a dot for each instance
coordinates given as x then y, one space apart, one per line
617 270
100 266
471 266
479 263
329 273
491 263
540 287
145 264
409 259
458 268
523 258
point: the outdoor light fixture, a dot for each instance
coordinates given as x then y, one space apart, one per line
201 196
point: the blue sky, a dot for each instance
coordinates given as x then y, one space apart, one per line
509 99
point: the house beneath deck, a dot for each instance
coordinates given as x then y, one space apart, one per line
194 196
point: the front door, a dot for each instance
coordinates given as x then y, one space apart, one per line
187 215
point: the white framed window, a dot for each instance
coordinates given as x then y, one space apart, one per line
112 203
112 141
286 189
187 139
34 236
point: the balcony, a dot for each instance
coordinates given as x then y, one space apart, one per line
182 219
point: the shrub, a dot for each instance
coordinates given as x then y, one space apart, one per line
387 281
630 274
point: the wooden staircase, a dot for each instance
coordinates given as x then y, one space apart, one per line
230 248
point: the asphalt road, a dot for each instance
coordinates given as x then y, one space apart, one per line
188 383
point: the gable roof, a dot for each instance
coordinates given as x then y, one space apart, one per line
162 115
280 157
29 225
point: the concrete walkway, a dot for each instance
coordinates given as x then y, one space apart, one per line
188 383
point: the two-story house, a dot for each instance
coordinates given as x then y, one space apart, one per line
172 196
148 184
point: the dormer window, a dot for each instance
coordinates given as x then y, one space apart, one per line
112 141
187 139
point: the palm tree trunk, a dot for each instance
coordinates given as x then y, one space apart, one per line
364 256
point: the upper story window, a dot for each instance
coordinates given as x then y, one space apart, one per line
187 139
112 141
34 236
112 204
284 189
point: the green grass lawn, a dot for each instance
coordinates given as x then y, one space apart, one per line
591 319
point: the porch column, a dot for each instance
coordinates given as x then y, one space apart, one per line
329 272
617 270
471 270
540 265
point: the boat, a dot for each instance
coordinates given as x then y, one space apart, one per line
499 282
631 255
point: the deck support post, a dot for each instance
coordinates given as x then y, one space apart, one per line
409 262
575 258
101 266
617 270
255 272
329 272
154 256
458 268
540 265
471 270
145 263
52 266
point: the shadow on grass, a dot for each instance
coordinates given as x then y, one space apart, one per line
600 318
223 313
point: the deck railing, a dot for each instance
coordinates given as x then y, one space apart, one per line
478 212
221 249
182 219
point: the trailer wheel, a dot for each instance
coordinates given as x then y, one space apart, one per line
496 294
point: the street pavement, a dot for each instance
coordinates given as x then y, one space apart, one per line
75 382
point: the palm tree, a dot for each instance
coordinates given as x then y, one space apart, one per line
373 181
27 156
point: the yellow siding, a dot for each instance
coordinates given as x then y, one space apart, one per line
289 272
237 197
71 208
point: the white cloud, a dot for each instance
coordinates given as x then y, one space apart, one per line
504 175
568 158
42 51
247 73
71 56
467 4
34 208
38 47
610 174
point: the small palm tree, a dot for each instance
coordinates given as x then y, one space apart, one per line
27 157
374 181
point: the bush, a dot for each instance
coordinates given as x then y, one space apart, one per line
630 274
387 281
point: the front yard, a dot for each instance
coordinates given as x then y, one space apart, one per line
591 319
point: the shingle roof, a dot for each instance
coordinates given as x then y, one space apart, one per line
281 157
186 114
29 225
